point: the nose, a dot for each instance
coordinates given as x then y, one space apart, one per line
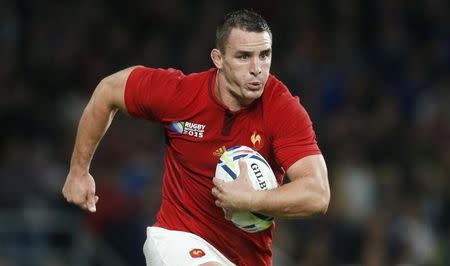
255 67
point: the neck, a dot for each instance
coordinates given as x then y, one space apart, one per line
226 95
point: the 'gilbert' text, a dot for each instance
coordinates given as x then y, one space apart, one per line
259 177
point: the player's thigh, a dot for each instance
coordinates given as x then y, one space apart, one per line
168 247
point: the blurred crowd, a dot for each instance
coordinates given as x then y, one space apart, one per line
374 76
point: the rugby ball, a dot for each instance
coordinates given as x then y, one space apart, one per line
261 177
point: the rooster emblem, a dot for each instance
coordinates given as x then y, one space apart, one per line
256 140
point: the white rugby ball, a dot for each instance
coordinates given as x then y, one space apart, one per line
261 177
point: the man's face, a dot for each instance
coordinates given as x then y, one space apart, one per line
246 64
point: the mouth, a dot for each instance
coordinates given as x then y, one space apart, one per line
254 86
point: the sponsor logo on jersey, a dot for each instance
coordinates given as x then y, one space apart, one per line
188 128
218 152
196 253
256 140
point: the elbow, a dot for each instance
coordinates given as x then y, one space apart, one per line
324 204
321 201
104 87
104 95
323 196
319 208
318 205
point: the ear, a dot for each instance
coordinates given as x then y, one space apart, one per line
216 57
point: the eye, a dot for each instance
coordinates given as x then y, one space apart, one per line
243 57
264 55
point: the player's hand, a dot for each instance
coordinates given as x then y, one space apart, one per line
79 189
234 196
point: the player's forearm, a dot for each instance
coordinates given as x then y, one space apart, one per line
303 197
94 122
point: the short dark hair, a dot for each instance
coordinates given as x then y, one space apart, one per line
244 19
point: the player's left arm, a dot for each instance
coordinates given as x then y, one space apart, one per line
307 193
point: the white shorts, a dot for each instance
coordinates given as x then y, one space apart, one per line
176 248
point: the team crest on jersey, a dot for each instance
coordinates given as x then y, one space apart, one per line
188 128
256 140
196 253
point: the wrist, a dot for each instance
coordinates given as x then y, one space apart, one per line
256 200
78 170
78 164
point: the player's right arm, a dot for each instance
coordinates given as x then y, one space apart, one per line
106 100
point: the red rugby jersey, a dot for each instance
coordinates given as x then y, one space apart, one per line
199 127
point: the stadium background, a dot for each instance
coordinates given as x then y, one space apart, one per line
374 76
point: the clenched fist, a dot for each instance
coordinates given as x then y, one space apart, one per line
79 189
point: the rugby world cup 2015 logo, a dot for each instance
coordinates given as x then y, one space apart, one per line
188 128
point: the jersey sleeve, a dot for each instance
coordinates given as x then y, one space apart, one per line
293 134
148 91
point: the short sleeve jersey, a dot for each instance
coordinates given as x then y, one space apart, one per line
199 128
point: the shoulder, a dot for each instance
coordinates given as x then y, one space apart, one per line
199 78
280 106
170 80
276 93
156 73
190 94
191 85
